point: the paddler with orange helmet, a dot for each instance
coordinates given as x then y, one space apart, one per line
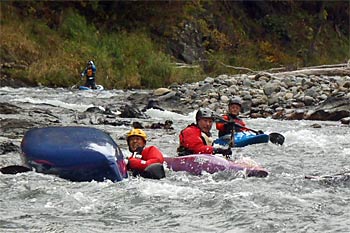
144 161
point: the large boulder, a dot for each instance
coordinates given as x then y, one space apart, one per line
332 109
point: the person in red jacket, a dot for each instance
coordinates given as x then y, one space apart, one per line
144 161
196 138
234 108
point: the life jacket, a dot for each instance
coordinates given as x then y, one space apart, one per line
89 72
225 128
195 132
149 155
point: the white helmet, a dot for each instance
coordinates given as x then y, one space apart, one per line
91 63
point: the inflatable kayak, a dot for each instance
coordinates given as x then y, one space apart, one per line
242 139
73 153
98 88
196 164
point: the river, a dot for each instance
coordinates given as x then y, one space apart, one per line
223 202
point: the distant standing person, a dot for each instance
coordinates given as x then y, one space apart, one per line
90 73
234 108
144 161
196 138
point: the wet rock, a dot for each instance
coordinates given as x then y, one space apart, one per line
333 109
316 126
152 103
95 110
137 125
6 108
15 128
170 95
131 111
345 121
166 125
7 147
296 115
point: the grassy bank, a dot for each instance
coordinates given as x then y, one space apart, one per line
56 57
54 54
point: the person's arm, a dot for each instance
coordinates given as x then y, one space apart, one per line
84 72
150 155
93 70
221 126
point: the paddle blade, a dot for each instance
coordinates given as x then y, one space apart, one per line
14 169
276 138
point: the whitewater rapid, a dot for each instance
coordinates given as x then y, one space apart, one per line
283 202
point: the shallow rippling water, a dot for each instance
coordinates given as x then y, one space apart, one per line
223 202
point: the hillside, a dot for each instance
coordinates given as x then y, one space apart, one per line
139 44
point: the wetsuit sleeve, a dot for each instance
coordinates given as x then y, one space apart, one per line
150 155
192 140
84 72
221 126
94 70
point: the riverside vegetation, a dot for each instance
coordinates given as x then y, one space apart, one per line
150 44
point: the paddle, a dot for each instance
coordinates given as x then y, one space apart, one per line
14 169
75 86
275 138
231 144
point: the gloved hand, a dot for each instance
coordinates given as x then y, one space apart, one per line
260 132
82 74
223 151
138 153
230 125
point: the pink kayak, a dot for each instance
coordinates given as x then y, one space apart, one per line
196 164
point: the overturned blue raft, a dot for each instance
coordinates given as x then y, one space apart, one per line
73 153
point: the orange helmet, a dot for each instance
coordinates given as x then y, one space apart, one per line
137 132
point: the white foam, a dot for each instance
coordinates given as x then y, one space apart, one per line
158 114
57 103
171 191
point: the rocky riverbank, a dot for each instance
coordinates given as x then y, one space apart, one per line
310 94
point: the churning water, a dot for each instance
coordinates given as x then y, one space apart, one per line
223 202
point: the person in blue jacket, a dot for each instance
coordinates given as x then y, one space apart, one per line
90 72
